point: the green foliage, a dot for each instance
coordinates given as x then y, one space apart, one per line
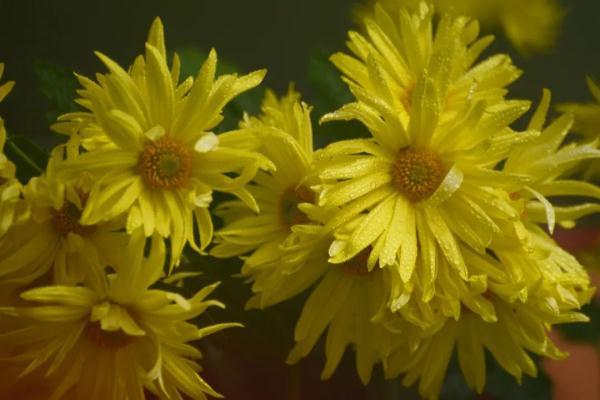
330 93
29 159
59 87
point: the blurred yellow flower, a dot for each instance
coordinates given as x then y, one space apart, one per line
114 337
11 206
52 237
151 151
531 26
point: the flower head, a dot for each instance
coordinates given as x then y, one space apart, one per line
426 181
11 206
285 134
137 337
53 236
151 149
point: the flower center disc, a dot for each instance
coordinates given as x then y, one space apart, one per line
107 339
165 164
290 214
66 220
357 265
417 173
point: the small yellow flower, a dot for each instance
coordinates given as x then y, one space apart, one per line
285 134
53 237
151 149
11 207
114 337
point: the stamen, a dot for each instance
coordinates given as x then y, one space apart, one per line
290 214
66 220
107 339
165 164
418 173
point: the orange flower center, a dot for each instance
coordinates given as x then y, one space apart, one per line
107 339
66 220
165 164
357 265
289 212
417 173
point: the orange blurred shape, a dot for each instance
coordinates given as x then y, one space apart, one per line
578 376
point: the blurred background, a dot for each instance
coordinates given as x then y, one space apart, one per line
282 35
43 41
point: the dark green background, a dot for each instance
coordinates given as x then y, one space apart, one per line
276 34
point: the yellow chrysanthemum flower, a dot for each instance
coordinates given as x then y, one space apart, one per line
52 237
284 135
284 131
546 161
137 337
427 179
10 189
525 293
402 57
531 26
150 147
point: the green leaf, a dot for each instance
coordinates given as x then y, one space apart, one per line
29 159
324 78
59 87
330 93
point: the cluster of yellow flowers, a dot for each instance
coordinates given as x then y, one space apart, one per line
428 236
140 166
